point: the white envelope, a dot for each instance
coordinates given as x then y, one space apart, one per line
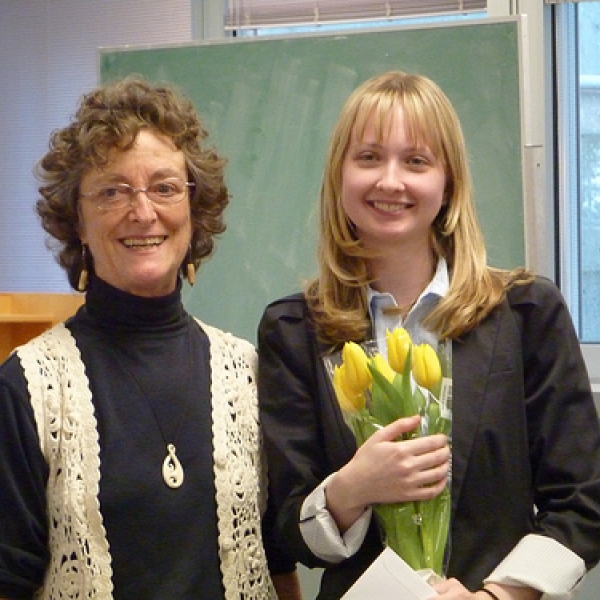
390 578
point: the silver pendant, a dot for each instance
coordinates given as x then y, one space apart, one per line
172 470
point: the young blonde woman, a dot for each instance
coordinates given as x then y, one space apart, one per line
400 245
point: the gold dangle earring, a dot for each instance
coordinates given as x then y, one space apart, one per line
83 274
190 268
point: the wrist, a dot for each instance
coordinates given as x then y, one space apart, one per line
339 501
487 593
496 591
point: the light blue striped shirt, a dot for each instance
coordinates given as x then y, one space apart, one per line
378 301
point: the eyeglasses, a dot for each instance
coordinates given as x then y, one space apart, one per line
114 196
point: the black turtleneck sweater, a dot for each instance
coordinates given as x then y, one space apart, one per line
149 370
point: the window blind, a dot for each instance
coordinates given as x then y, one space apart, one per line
253 14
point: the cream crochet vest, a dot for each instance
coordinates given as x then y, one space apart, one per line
80 564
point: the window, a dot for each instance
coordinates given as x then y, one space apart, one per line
577 28
244 16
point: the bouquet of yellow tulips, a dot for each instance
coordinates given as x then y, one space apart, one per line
373 392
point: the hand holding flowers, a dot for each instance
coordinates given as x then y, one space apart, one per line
374 392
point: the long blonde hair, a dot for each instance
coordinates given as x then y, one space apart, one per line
337 297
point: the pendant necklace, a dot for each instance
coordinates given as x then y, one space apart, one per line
172 469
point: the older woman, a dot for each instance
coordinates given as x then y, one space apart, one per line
130 451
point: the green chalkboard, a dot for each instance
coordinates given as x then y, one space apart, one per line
269 105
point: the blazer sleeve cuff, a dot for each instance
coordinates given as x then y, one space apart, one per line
544 564
320 531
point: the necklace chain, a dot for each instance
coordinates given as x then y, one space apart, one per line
172 469
402 311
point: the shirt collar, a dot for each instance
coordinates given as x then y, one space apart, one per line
437 288
377 301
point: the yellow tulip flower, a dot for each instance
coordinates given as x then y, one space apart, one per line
357 375
426 366
349 401
398 346
383 367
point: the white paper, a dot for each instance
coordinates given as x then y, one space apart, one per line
390 578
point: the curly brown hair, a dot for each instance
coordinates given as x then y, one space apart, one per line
110 117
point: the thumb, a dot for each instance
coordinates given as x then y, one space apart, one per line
397 428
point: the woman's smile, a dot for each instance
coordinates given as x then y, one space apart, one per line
143 242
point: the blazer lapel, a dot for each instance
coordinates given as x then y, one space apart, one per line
472 356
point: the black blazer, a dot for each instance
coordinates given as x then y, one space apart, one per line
525 434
